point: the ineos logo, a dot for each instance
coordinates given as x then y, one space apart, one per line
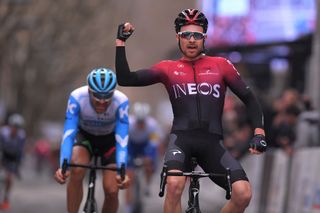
193 89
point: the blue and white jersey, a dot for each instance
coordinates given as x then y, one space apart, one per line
151 133
81 114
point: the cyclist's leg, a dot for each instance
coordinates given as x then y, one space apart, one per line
241 195
80 155
8 182
177 158
150 158
213 157
11 169
111 201
129 191
130 172
107 151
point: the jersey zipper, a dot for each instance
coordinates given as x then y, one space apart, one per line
197 95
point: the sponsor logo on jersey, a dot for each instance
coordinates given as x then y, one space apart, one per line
179 73
67 134
208 71
122 141
204 88
123 112
71 107
175 151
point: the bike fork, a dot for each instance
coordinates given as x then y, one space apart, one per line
193 202
90 205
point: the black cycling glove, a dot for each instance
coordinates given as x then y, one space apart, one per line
123 36
258 143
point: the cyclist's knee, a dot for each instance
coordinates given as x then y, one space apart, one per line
175 186
110 189
241 193
77 174
111 193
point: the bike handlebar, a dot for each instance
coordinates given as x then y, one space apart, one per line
228 182
194 174
121 170
64 166
163 180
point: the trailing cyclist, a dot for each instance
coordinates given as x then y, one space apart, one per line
144 137
96 124
12 142
196 85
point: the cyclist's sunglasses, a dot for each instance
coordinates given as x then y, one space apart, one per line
188 35
101 96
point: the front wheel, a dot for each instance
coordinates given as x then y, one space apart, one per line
193 210
90 207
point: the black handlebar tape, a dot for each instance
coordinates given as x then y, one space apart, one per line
64 166
228 182
122 171
163 180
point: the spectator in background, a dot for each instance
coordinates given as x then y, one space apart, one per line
237 127
241 138
12 141
308 126
286 111
285 132
42 151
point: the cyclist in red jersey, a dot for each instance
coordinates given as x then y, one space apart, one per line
196 85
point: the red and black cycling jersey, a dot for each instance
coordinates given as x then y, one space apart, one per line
196 89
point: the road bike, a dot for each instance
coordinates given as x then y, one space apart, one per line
194 186
137 185
90 205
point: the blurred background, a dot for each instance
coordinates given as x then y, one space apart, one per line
48 47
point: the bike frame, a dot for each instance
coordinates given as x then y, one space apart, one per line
194 187
91 204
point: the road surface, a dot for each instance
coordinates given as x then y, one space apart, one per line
36 193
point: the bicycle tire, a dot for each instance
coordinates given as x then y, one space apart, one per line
137 203
90 207
137 208
193 210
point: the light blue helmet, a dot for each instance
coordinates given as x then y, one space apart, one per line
102 82
16 120
141 110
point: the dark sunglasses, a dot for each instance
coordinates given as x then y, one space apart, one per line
102 96
188 35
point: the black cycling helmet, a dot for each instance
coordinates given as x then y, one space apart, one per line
191 16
